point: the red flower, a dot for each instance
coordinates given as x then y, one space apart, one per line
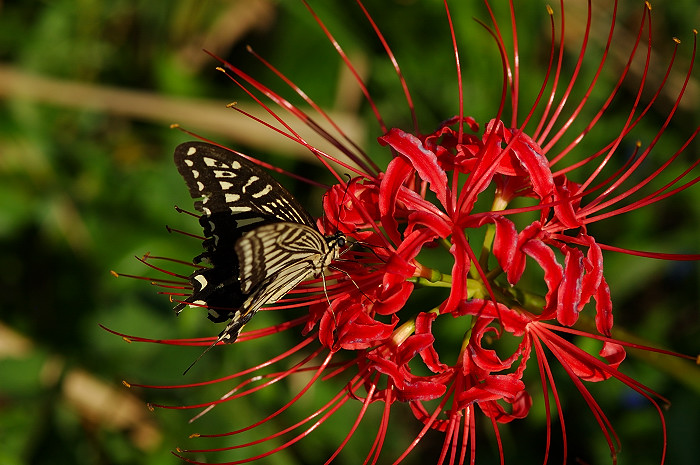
433 194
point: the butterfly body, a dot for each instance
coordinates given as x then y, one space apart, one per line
259 241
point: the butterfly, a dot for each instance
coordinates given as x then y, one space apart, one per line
260 242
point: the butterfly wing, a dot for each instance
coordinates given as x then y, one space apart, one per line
233 188
273 260
274 249
234 196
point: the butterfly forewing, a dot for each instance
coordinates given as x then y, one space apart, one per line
228 183
259 241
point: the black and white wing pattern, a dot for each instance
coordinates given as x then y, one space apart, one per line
259 241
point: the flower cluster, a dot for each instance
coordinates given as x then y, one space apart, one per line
495 198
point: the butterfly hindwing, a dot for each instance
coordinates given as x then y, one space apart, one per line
274 259
278 246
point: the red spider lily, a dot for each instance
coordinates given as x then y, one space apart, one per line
431 195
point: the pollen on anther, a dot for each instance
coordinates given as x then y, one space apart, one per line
174 126
114 273
648 5
677 40
150 407
126 339
231 105
194 435
126 384
550 11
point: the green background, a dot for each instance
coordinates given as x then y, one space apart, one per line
87 92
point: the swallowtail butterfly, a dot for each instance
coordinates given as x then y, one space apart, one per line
259 241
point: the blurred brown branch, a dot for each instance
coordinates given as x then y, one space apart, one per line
96 401
194 114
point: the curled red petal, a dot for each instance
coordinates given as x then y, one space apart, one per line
594 270
458 292
436 223
603 309
363 331
396 174
505 240
565 209
613 353
424 323
326 330
524 159
423 161
486 359
520 407
493 387
514 270
420 390
413 344
513 322
413 242
553 272
393 299
347 207
536 164
570 289
382 364
397 270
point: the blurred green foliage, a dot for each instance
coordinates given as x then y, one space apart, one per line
86 185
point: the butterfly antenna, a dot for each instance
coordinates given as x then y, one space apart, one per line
202 354
371 248
325 291
351 280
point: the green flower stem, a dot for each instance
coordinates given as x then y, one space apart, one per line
486 248
499 204
493 274
436 279
425 282
465 341
475 289
533 303
402 333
